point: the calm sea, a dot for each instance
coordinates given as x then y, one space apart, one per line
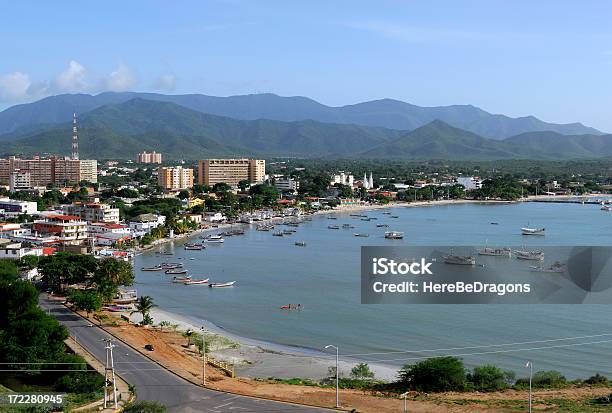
324 277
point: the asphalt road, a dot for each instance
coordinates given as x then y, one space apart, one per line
156 383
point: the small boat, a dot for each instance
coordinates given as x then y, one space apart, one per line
394 216
460 260
197 282
494 223
288 232
361 235
181 279
382 226
222 285
278 233
333 227
534 255
495 252
347 226
387 213
120 301
193 247
214 239
175 271
556 268
155 268
394 235
605 207
533 231
166 253
300 243
264 227
171 265
332 217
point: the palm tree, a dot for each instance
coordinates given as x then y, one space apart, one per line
143 306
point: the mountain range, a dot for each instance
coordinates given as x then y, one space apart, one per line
122 129
386 113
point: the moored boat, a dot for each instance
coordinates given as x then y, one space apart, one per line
495 252
181 279
277 233
155 268
197 282
214 239
361 234
533 231
222 285
394 235
333 227
534 255
175 271
460 260
300 243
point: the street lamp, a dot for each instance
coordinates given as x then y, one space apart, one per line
405 395
530 365
337 396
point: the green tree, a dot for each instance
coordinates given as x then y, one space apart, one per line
488 378
244 185
184 194
89 301
110 274
144 306
362 372
436 374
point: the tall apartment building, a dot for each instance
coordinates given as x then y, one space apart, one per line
149 157
93 212
175 178
67 228
53 170
19 181
230 171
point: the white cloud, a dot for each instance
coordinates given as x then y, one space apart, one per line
14 87
166 83
73 79
17 87
120 80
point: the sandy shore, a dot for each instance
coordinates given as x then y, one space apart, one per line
257 359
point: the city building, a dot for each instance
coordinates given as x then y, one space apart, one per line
144 223
50 171
231 171
286 184
343 179
175 178
12 208
109 234
68 229
469 182
368 183
93 212
15 250
149 157
19 181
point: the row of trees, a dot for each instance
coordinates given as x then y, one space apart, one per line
32 339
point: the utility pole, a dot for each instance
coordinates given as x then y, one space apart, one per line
405 396
530 365
109 374
203 360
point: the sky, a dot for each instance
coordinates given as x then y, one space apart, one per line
550 59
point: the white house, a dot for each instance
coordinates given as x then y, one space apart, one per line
15 251
144 223
214 217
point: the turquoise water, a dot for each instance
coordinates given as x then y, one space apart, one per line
325 278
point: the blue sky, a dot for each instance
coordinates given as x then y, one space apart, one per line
551 59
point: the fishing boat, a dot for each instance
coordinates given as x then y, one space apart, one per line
534 255
278 233
332 217
197 282
605 207
176 271
214 239
171 265
333 227
460 260
495 252
300 243
347 226
382 226
533 231
120 301
362 235
193 247
181 279
387 213
394 235
394 216
155 268
222 285
288 232
264 227
556 268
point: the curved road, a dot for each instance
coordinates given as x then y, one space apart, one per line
156 383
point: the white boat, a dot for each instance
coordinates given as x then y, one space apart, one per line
362 235
495 252
222 285
176 271
605 207
181 279
394 235
278 233
333 227
300 243
534 255
196 282
155 268
460 260
533 231
214 239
